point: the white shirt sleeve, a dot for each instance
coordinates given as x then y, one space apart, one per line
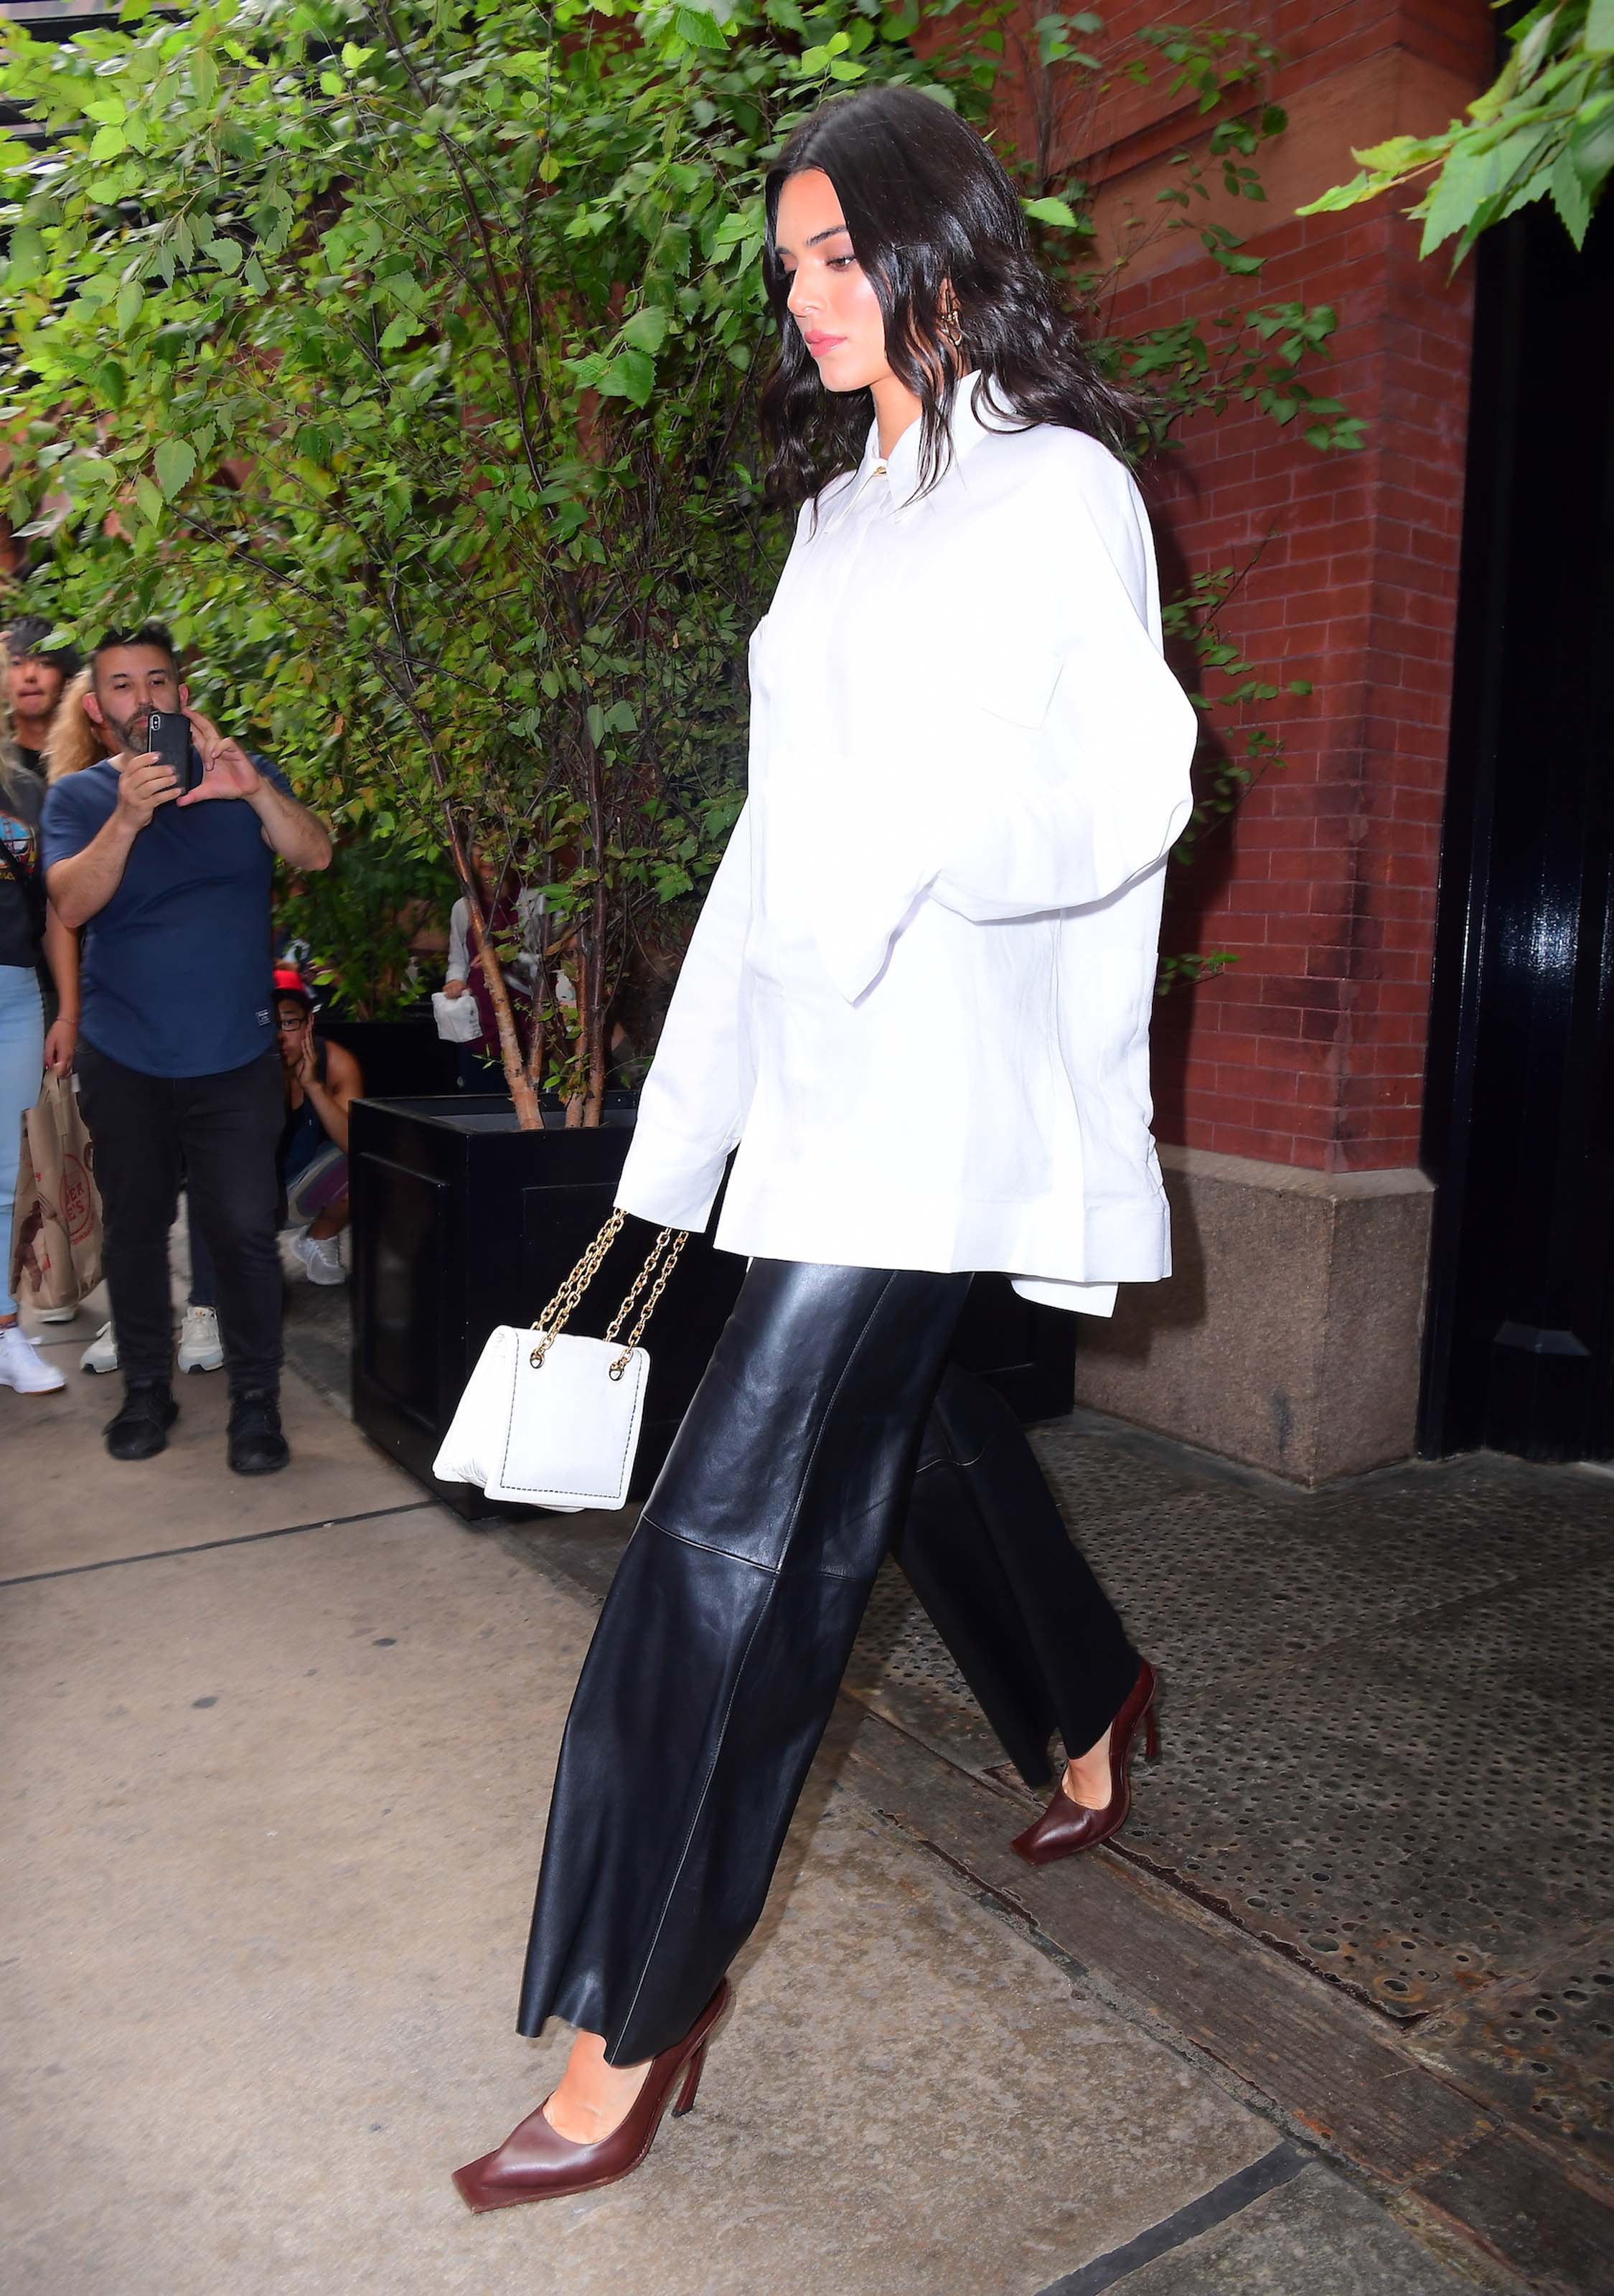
693 1104
1103 794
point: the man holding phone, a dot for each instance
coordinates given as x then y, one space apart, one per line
165 859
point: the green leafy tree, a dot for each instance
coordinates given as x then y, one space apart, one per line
360 922
1543 130
406 356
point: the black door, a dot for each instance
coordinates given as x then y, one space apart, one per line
1520 1124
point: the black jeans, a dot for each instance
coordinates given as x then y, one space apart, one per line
221 1132
722 1646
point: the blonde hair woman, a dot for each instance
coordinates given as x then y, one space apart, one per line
74 741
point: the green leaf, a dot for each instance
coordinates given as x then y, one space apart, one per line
226 253
148 498
1600 28
1591 141
28 256
1532 46
174 461
131 295
1055 212
697 29
108 141
1459 188
1571 197
1401 151
646 329
630 375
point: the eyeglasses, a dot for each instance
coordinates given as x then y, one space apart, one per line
286 1022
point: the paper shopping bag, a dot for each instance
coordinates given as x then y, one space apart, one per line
56 1225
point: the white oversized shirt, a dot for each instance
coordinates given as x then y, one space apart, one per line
918 997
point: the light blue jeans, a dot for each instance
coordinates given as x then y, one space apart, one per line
21 1069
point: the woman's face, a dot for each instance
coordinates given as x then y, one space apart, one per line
831 298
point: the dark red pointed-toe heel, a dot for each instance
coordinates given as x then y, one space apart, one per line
1066 1825
536 2162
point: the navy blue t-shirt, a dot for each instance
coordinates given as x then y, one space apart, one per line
177 969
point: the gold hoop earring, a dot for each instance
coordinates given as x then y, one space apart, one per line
952 329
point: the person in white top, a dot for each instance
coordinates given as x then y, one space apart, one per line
513 911
915 1010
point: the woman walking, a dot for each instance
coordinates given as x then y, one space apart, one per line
918 1000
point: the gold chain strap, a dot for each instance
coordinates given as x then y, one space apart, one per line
553 1321
648 1309
554 1318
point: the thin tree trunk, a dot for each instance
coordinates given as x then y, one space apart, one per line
529 1116
538 1046
594 1100
577 1103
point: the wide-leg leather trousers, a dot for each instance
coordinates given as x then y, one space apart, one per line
828 1424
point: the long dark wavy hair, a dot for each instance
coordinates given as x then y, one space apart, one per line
932 216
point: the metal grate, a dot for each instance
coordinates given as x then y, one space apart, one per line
1385 1709
1545 2045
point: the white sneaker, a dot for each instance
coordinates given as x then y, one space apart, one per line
321 1255
200 1348
22 1367
102 1353
56 1315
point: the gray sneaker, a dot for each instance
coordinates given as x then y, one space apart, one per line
200 1348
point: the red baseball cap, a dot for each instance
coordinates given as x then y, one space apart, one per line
290 982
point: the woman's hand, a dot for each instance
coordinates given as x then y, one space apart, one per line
60 1044
453 989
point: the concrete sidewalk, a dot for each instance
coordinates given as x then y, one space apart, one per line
278 1755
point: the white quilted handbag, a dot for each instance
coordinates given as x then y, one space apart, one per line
552 1420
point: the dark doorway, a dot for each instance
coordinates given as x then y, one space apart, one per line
1520 1124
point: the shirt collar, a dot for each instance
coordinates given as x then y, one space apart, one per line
902 465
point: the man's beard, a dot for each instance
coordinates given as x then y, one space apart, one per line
125 735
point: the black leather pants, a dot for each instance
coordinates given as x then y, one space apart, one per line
722 1642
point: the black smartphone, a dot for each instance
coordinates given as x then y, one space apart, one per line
167 731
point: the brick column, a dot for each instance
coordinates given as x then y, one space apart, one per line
1289 1089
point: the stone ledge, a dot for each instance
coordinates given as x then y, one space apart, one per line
1290 1335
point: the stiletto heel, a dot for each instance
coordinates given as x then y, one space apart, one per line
691 2081
536 2162
1066 1825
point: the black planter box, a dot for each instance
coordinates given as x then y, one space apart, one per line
406 1055
462 1222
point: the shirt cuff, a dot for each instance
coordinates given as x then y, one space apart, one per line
671 1182
1076 1298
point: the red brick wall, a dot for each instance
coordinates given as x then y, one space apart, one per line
1310 1050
